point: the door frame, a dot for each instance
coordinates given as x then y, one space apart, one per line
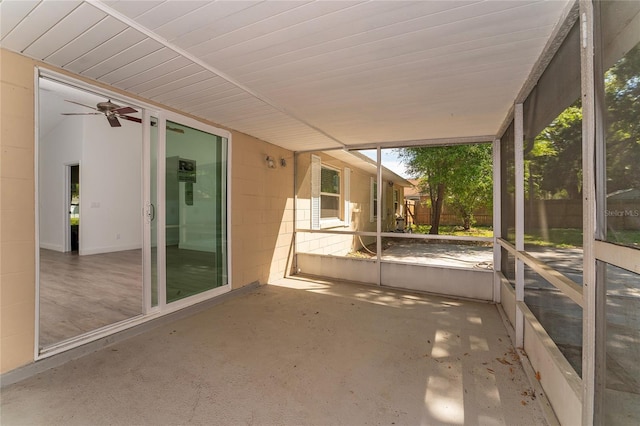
148 313
67 205
162 117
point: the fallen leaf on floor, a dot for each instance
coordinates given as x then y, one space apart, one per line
537 375
503 361
523 403
490 371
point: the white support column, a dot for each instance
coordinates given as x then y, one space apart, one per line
519 181
590 352
497 220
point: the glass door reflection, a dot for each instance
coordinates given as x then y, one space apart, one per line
195 215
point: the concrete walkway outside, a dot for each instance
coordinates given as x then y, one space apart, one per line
292 353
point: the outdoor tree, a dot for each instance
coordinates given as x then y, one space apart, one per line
461 174
622 94
553 165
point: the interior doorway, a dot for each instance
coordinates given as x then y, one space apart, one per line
73 225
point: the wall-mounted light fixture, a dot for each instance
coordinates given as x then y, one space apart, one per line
270 162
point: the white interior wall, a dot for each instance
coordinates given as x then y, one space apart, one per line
110 178
110 186
60 144
198 221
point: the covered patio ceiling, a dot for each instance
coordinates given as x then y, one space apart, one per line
302 74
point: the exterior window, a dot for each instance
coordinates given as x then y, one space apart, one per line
327 196
329 193
396 206
374 199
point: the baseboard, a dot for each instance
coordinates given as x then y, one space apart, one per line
111 249
53 247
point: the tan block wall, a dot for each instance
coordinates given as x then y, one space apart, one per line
261 205
360 199
262 211
17 210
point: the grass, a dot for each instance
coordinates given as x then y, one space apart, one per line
458 231
556 237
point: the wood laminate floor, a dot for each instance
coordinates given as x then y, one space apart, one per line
79 294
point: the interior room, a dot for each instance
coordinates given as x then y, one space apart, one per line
210 211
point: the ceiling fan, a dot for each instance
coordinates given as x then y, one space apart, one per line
109 110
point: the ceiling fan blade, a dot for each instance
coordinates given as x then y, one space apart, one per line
124 110
113 121
78 103
126 117
81 113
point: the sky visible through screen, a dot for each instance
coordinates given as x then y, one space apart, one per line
390 160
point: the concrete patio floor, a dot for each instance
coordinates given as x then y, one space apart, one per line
296 352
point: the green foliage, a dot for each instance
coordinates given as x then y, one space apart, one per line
553 166
622 96
461 174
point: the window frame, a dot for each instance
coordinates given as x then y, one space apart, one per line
373 199
332 220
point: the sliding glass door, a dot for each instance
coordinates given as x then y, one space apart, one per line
187 212
195 219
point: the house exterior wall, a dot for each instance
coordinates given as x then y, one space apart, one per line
261 208
360 209
17 209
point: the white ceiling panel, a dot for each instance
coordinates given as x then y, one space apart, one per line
12 12
100 33
138 66
134 8
398 50
302 74
369 79
352 21
106 50
201 19
199 40
211 95
167 12
152 73
246 27
122 58
165 81
45 15
181 97
389 46
178 87
68 29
